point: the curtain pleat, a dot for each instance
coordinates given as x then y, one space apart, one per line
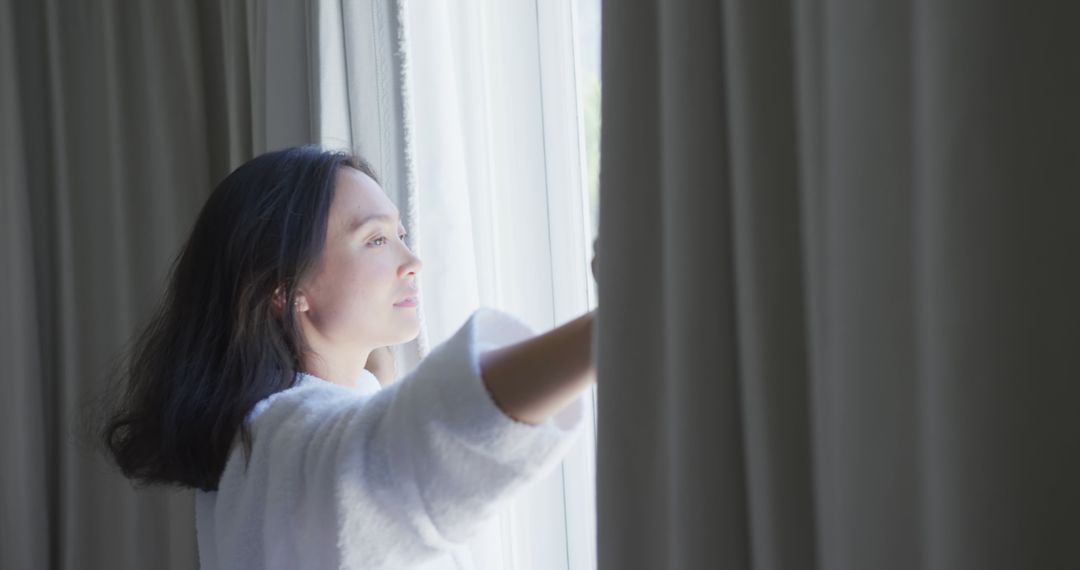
25 491
840 244
117 120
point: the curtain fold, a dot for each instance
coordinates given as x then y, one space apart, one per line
117 119
854 313
24 491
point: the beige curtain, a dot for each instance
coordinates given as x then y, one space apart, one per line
840 261
117 118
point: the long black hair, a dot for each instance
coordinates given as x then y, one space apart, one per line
216 345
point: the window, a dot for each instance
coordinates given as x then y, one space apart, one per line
503 108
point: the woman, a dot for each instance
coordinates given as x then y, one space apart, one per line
249 383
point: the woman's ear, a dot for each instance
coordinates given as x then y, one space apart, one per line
278 300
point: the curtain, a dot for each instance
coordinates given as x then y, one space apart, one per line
840 241
116 119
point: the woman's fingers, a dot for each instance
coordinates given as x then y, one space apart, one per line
594 271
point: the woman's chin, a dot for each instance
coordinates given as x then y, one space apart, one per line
409 332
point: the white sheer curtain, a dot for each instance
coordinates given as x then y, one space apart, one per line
470 114
502 215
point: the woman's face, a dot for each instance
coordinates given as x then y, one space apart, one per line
365 269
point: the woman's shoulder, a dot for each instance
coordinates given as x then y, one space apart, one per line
312 395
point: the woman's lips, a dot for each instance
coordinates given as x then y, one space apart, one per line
410 302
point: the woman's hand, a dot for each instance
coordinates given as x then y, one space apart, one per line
593 264
381 363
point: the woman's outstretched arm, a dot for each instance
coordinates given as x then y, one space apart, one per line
532 380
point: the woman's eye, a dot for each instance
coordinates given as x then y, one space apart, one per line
402 236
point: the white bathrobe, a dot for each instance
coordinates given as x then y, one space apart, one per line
398 477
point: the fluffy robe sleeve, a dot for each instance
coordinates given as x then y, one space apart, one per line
388 479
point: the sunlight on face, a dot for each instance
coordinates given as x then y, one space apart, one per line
365 269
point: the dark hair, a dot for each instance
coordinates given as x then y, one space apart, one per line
215 345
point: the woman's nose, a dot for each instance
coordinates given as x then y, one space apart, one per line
413 265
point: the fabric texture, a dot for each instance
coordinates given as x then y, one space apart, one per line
397 477
838 281
116 121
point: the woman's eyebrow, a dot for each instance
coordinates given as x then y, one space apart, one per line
358 223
